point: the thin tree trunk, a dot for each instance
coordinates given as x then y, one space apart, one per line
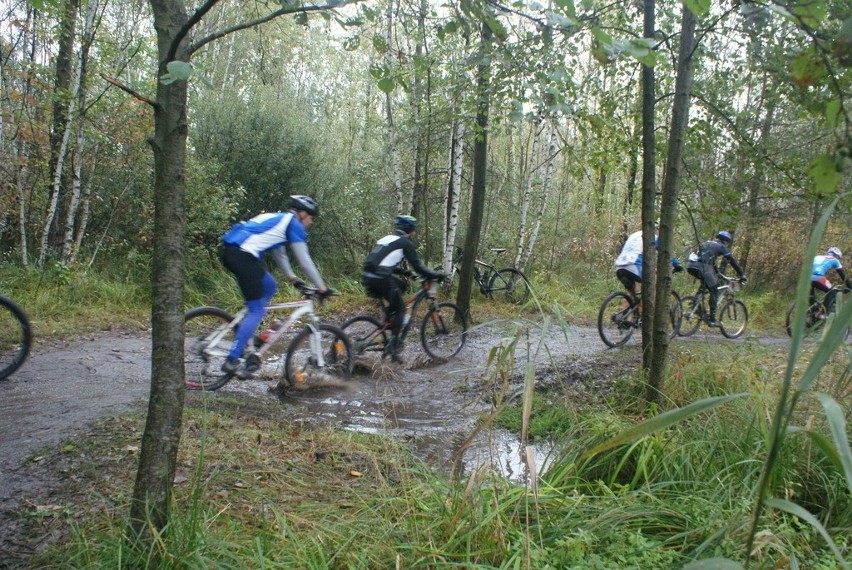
478 192
149 511
549 167
649 158
396 166
453 195
668 205
526 195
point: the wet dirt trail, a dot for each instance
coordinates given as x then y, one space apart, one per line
66 385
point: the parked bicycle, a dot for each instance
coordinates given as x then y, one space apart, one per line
16 337
817 314
732 313
511 284
619 316
318 352
442 331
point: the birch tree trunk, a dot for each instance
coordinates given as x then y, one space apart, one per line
396 166
453 195
526 194
549 168
77 161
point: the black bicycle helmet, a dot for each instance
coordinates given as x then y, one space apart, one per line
725 237
305 204
406 223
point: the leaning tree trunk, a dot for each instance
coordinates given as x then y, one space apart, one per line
668 206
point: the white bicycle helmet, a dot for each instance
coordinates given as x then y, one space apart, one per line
835 251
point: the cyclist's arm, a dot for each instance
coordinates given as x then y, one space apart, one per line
729 257
414 260
283 262
300 250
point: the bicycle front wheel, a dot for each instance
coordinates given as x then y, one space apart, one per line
318 355
366 334
617 318
15 337
443 331
693 312
206 342
511 285
733 318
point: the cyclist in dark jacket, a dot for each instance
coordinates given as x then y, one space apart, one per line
702 266
379 280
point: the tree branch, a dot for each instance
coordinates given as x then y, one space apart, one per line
329 5
136 95
193 20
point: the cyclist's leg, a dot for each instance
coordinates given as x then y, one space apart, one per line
629 277
708 277
824 285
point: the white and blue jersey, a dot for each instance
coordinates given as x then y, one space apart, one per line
265 232
822 265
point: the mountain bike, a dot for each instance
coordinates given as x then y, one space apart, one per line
442 331
619 316
317 352
16 337
511 284
732 313
817 314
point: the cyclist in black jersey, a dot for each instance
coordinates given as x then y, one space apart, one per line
379 280
702 266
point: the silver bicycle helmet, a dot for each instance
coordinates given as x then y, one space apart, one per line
304 203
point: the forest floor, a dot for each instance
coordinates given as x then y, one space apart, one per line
66 386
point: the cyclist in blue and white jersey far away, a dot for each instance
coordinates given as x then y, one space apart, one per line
243 249
822 265
628 264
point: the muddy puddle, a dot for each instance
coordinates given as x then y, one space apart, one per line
434 409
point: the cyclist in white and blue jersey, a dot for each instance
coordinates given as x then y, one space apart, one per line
628 264
822 265
243 248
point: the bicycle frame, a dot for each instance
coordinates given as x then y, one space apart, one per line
303 307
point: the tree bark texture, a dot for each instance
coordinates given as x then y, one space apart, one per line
161 437
480 158
668 205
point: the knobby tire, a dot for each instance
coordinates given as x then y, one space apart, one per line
366 334
733 318
203 361
693 313
301 365
510 285
443 331
617 318
16 337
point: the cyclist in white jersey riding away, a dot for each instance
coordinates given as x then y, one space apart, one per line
379 281
243 248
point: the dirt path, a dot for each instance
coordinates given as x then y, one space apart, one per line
65 385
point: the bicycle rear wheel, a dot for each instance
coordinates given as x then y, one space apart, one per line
511 285
733 318
675 314
366 334
15 337
202 359
302 368
813 325
443 331
693 313
617 318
